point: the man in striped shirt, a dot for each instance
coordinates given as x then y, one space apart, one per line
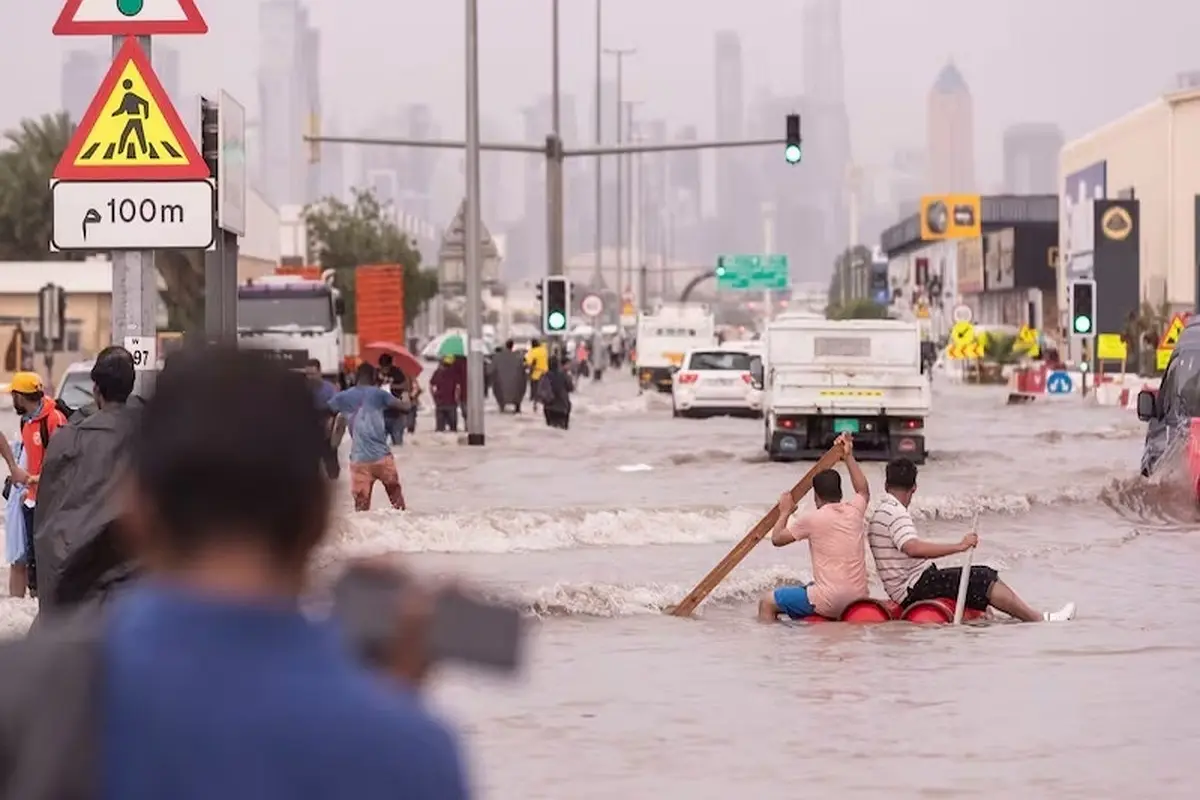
905 562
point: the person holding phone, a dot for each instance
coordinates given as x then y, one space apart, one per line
206 678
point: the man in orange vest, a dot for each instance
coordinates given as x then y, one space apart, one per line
40 418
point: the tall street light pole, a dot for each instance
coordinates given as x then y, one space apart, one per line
599 278
474 247
554 177
626 163
620 54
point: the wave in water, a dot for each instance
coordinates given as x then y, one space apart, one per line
500 531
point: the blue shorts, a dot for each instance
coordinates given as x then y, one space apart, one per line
793 601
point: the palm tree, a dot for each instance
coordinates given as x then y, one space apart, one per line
28 156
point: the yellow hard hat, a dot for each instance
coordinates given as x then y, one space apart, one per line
26 383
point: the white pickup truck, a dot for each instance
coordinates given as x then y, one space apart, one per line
663 338
823 377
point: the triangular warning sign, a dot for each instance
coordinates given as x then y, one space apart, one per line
129 18
1171 337
131 132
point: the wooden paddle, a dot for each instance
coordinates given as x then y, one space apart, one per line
742 549
960 603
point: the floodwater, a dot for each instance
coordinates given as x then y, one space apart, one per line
596 530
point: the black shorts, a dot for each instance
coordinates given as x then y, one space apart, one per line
936 582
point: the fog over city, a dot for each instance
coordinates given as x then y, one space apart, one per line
1071 63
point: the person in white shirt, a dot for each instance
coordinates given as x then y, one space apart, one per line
905 562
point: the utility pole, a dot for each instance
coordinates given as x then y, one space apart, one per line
474 247
620 54
554 171
599 279
626 162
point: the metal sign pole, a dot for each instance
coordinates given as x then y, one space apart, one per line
474 249
135 289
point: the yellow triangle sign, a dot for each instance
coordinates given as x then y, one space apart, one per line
131 132
1171 337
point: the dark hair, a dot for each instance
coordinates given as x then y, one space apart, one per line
113 374
364 374
900 473
509 344
215 472
385 360
313 362
827 486
535 342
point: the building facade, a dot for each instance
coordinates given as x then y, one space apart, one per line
950 134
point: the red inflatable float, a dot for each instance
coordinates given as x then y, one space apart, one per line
869 611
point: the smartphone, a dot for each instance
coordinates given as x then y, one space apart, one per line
463 629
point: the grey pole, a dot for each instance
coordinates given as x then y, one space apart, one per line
134 283
474 251
555 248
599 279
626 162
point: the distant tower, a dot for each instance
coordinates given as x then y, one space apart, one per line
950 133
730 123
1031 158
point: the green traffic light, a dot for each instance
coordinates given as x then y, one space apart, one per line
1083 325
720 272
556 320
792 154
130 8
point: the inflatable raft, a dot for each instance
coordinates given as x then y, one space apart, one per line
868 611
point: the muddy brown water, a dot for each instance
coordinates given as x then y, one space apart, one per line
594 531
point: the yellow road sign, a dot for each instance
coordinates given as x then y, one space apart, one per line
962 333
1028 341
131 131
1111 347
1171 337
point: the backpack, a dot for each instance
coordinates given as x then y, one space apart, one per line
61 408
545 390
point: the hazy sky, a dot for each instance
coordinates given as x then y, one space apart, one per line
1075 62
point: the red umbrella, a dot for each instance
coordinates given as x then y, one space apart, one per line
405 361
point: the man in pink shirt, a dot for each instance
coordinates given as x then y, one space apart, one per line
836 539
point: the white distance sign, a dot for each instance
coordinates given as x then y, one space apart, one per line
592 306
144 350
133 215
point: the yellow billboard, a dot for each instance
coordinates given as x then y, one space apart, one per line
950 216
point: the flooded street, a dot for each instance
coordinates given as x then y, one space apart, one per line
596 530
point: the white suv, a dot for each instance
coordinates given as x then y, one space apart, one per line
715 381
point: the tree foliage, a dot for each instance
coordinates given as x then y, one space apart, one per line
28 155
839 281
858 308
343 236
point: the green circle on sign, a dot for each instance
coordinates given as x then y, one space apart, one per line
1083 325
792 154
130 8
556 320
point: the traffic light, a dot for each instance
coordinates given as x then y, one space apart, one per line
52 317
556 305
793 150
720 270
1082 305
210 134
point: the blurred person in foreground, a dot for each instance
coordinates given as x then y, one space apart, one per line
76 543
205 679
40 419
323 391
363 406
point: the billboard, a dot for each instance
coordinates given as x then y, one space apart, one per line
1117 263
1076 231
950 216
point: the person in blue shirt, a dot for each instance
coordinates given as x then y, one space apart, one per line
323 391
363 406
213 683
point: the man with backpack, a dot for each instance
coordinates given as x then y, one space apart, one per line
40 418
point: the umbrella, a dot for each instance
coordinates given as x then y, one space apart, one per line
453 345
405 361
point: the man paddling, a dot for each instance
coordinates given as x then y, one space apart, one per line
905 562
835 539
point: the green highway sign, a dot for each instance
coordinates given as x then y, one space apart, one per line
752 272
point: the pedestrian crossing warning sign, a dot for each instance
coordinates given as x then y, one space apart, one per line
131 132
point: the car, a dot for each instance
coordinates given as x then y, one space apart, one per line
715 381
1173 411
75 385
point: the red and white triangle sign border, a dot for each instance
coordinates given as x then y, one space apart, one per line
67 25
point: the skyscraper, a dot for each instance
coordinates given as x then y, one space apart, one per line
289 101
732 216
950 133
82 71
1031 158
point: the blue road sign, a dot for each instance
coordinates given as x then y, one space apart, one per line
1059 383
